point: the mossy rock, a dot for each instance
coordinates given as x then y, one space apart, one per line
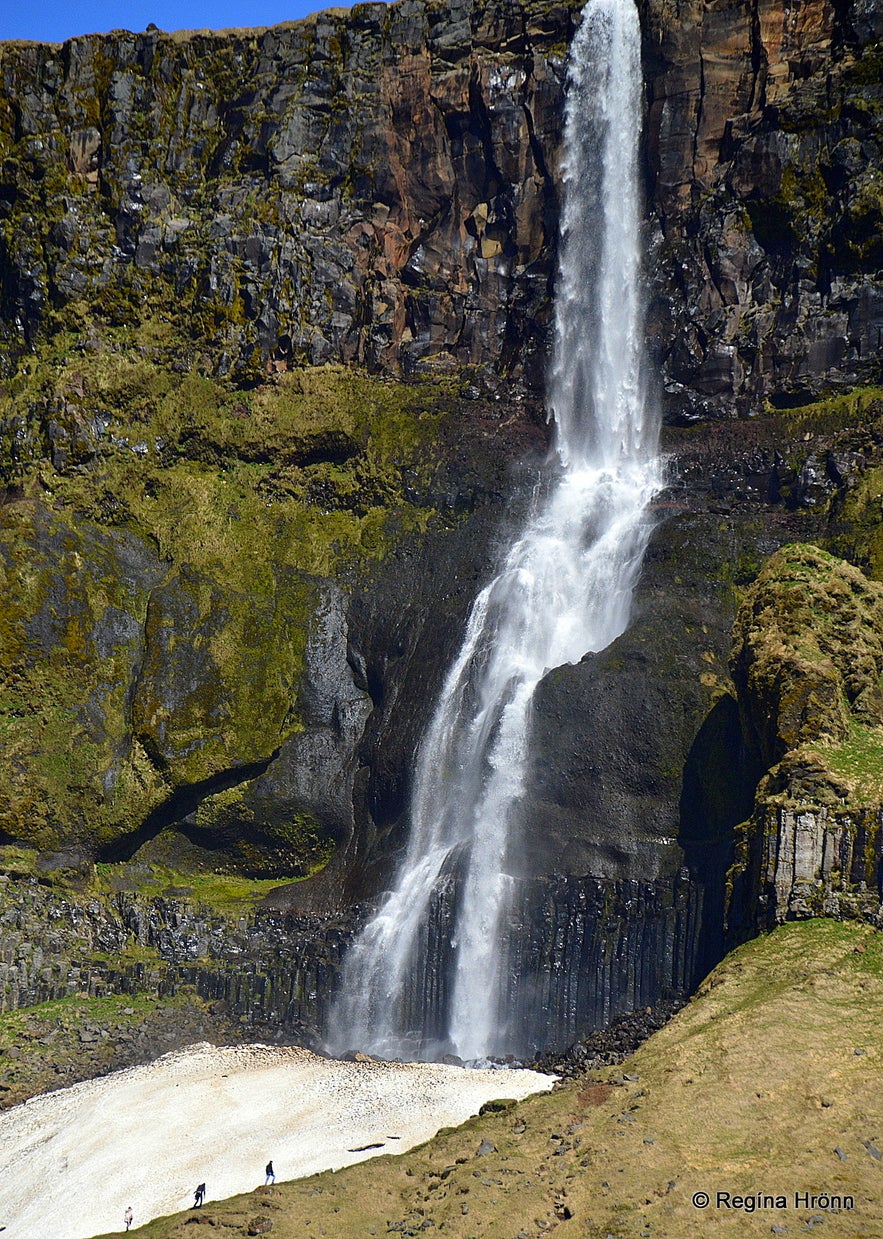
219 676
71 640
808 651
807 661
201 528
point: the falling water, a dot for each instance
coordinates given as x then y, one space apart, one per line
565 588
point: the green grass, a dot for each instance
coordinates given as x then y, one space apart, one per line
18 860
748 1089
838 411
858 761
71 1011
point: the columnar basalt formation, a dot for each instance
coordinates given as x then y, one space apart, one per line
807 661
233 574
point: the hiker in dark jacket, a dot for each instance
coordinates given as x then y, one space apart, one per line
199 1196
270 1173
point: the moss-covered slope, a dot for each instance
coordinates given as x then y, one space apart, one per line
176 554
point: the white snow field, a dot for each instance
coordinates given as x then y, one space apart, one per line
73 1160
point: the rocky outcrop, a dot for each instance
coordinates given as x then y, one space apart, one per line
580 953
807 660
260 968
196 623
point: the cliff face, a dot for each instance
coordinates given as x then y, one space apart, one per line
375 187
235 570
764 149
382 187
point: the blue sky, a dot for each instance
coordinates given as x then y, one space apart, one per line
57 20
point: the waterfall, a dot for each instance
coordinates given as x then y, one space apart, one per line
564 589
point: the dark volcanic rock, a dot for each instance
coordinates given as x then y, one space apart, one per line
375 187
611 734
382 187
766 275
607 1046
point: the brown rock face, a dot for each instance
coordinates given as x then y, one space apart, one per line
763 137
381 187
375 186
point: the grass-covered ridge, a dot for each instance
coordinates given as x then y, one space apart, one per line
751 1089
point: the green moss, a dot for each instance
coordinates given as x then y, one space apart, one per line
316 462
841 410
224 893
221 668
245 497
858 763
797 211
18 861
861 518
71 615
292 844
808 650
70 1012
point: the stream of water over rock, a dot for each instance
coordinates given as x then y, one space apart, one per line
564 590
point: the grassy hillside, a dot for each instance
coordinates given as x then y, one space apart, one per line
767 1082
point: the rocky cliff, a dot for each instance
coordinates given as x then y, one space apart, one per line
763 144
377 187
382 187
276 310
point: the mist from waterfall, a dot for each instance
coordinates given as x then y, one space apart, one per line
564 589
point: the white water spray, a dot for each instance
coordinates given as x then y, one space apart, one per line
565 588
